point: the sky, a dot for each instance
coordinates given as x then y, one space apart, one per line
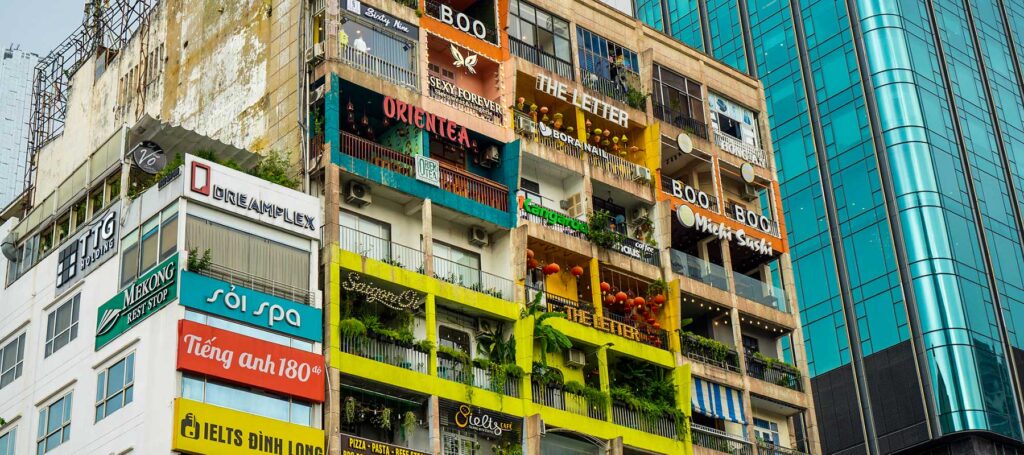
38 25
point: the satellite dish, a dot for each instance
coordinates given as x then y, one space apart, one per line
685 216
684 142
149 157
747 171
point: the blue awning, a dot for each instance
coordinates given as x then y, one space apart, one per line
717 401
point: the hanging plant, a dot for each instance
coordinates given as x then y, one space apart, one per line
350 410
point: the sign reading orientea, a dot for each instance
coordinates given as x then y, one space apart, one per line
354 445
204 428
147 295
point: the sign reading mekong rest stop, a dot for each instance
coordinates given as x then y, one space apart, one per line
135 303
227 355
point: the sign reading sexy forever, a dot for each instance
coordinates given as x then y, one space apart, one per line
227 355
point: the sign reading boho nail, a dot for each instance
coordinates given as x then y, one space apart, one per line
372 293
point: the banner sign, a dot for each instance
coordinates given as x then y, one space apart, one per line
201 428
147 295
95 244
428 170
688 218
388 21
249 306
431 123
635 248
354 445
555 218
238 358
478 420
583 101
458 96
612 326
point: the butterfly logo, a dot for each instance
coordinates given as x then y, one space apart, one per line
468 62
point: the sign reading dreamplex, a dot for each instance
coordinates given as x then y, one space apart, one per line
135 303
204 428
458 96
93 246
252 197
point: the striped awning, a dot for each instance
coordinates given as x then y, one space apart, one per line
717 401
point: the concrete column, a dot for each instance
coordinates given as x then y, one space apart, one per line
434 423
531 435
595 287
615 446
427 242
605 380
431 309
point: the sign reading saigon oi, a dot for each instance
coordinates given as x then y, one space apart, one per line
204 428
93 246
147 295
227 355
252 197
251 307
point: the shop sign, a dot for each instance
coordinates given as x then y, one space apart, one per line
686 217
89 249
204 428
447 91
462 22
428 170
252 197
354 445
612 326
691 195
471 418
571 141
147 295
431 123
553 217
251 307
404 301
238 358
635 249
388 21
753 219
579 99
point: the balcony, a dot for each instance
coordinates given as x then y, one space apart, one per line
760 292
583 313
551 218
527 128
709 352
604 86
367 63
778 373
452 179
264 285
766 448
471 278
623 169
681 120
383 250
661 426
699 269
755 155
454 370
555 303
386 351
540 58
554 397
720 441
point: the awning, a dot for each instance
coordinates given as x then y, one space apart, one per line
717 401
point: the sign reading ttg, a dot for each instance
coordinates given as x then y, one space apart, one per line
135 303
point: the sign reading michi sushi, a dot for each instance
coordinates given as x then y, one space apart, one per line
147 295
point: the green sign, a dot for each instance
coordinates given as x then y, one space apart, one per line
553 217
135 303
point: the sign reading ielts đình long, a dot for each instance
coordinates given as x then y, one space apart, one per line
203 428
237 358
431 123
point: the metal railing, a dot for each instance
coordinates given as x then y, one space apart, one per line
667 187
720 441
681 120
316 147
694 347
368 63
484 191
557 303
622 168
377 154
602 85
526 127
455 370
743 150
475 279
773 226
434 10
780 375
554 397
760 292
264 285
767 448
699 269
385 351
383 250
540 58
661 425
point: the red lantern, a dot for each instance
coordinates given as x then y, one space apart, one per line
656 325
529 254
609 299
639 301
621 296
659 299
630 303
576 271
651 321
551 269
532 263
605 287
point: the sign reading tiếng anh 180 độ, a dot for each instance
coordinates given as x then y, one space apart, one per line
251 307
147 295
203 428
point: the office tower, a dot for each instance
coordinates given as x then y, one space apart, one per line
16 88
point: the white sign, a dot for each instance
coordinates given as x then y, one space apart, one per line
463 22
251 197
583 101
691 194
428 170
452 94
753 219
385 19
687 218
93 246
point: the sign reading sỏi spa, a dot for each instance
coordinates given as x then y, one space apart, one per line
147 295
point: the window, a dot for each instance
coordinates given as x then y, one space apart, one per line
597 55
451 154
129 258
456 265
677 98
169 232
245 400
54 424
617 212
751 345
12 355
393 51
7 441
246 330
365 236
733 120
530 187
149 241
532 29
456 442
115 387
453 338
766 431
61 326
145 247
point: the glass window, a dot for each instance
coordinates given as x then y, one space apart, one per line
95 201
62 326
393 50
244 400
54 424
45 240
247 330
79 212
129 258
457 442
115 387
676 97
113 187
766 431
365 236
540 30
597 54
7 441
169 232
150 244
453 338
12 355
456 265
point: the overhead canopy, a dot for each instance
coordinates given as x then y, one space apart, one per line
174 138
717 401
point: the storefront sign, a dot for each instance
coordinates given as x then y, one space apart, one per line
754 220
133 304
572 141
460 97
635 249
553 217
686 216
691 195
405 301
586 102
431 123
428 170
354 445
252 197
462 22
612 326
471 418
237 358
251 307
93 246
204 428
388 21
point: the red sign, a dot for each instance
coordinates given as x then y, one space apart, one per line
227 355
432 123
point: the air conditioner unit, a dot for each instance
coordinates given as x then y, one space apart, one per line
639 213
749 193
357 194
315 53
576 359
491 157
318 94
478 236
641 173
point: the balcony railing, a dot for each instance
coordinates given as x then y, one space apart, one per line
368 63
455 370
386 351
661 426
667 184
648 335
527 128
760 292
695 347
556 303
755 155
622 168
557 398
602 85
720 441
699 269
773 226
373 247
767 448
781 375
540 58
475 279
264 285
434 10
377 154
681 120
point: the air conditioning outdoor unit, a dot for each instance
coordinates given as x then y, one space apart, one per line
478 236
315 53
491 157
576 359
749 192
641 173
639 213
357 194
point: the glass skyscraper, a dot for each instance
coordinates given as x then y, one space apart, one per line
898 130
16 69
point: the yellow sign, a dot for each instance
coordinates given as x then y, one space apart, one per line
200 428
